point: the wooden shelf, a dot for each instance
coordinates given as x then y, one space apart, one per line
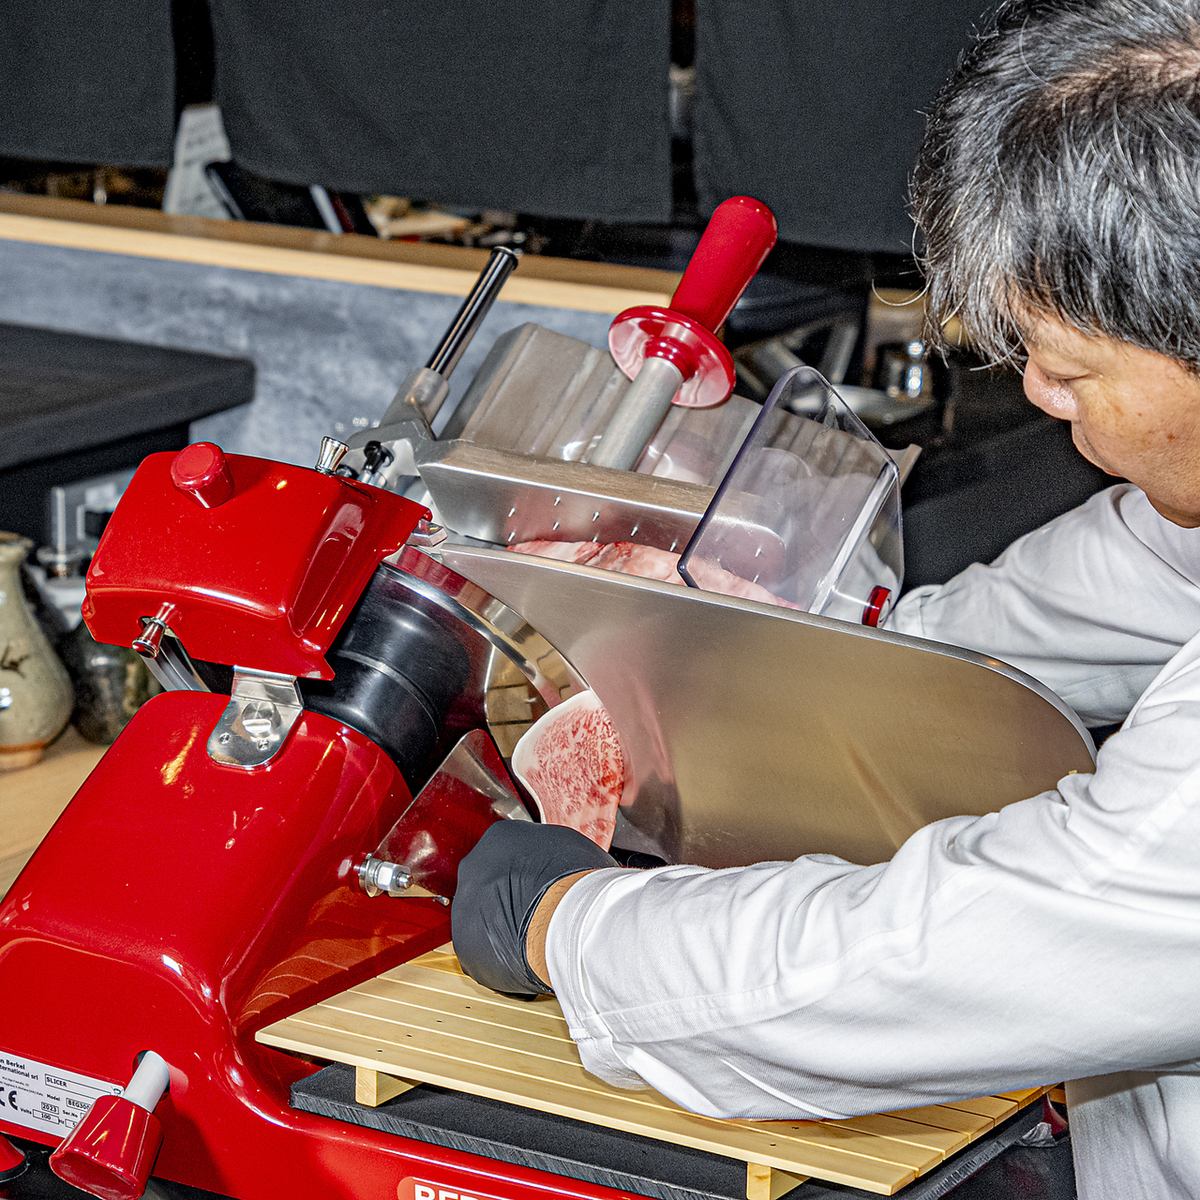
31 799
426 1022
346 258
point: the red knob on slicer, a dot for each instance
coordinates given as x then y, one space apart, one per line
732 248
876 603
738 237
202 471
111 1152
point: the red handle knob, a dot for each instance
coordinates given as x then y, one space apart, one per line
732 248
739 236
202 471
111 1152
876 602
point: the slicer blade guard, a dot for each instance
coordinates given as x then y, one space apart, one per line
809 509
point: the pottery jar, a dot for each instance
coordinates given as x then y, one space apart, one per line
35 691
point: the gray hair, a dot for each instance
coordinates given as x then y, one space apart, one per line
1060 175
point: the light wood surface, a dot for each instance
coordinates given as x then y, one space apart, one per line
374 1088
31 799
344 258
426 1022
764 1183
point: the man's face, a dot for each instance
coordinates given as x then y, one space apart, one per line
1133 413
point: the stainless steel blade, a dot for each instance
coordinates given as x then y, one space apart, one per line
755 733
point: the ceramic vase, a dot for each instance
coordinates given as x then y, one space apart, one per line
35 691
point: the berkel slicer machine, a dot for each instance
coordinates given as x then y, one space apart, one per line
337 641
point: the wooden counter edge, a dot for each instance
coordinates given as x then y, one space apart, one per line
344 258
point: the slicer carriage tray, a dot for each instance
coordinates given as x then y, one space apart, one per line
426 1023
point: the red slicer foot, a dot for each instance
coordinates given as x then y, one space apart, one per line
13 1162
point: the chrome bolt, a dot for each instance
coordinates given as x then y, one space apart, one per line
376 875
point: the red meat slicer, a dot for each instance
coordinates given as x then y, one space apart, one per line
214 871
326 662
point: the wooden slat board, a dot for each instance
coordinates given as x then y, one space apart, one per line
427 1022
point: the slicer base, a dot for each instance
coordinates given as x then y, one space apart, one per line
626 1162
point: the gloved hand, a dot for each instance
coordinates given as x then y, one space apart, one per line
499 885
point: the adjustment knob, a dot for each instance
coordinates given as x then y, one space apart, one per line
332 453
202 471
111 1152
877 602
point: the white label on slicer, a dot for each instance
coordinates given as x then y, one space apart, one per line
47 1098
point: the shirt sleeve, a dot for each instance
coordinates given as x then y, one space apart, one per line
1058 938
1092 604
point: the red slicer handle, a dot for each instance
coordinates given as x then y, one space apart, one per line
739 236
731 249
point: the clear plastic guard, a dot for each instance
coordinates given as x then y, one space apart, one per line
808 514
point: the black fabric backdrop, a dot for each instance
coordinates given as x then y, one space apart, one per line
89 81
541 106
544 106
814 106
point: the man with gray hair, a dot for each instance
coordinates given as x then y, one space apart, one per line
1059 199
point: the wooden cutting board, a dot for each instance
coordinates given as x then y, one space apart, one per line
426 1022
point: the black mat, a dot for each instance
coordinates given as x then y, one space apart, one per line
530 1139
543 1142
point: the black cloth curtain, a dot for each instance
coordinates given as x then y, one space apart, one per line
88 81
554 109
539 106
815 107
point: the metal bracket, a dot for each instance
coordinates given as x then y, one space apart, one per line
427 535
470 791
260 714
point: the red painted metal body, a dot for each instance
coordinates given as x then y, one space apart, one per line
263 579
12 1160
178 904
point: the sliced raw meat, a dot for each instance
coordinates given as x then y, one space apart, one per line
648 562
576 552
712 578
570 761
645 561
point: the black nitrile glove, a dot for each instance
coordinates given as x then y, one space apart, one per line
499 885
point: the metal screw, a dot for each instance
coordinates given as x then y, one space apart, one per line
379 876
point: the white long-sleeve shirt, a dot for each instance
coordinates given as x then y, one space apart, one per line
1056 939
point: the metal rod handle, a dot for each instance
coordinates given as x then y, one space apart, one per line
642 410
474 308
